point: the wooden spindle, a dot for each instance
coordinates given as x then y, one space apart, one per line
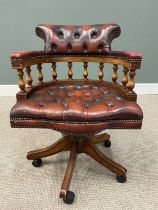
70 73
125 77
21 82
85 73
114 74
54 72
40 75
101 73
28 77
131 83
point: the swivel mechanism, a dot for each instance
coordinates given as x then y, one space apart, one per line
77 145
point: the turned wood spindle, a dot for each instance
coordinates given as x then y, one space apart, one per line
40 75
101 73
21 82
131 83
114 74
70 73
28 77
54 73
85 73
125 76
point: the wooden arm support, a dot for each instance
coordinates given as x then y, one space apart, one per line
31 58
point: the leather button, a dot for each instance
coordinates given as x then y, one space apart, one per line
77 34
86 105
110 104
69 94
87 94
85 48
65 104
106 92
50 93
94 87
62 87
42 103
54 47
69 47
78 87
60 34
94 34
58 100
118 98
100 47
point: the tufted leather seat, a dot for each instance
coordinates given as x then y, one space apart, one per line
94 104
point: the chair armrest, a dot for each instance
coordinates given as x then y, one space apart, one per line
22 56
129 60
130 56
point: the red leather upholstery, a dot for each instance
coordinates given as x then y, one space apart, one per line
22 56
77 108
86 39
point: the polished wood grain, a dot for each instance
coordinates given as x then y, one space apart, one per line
99 59
125 76
54 72
126 90
21 82
29 78
69 170
85 73
90 149
101 73
95 139
114 74
70 73
131 82
130 95
62 144
40 75
77 145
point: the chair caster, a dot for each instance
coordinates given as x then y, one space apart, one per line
121 179
69 198
37 163
107 143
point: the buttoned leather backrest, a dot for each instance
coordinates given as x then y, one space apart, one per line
86 39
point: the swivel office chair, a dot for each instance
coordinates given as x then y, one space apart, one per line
78 109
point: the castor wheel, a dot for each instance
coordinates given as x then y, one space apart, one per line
121 179
69 198
37 163
107 143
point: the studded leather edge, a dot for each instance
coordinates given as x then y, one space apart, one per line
74 55
73 122
74 134
77 134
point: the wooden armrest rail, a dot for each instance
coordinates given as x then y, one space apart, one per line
128 67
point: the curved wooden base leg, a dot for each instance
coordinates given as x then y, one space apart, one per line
69 170
62 144
99 138
90 149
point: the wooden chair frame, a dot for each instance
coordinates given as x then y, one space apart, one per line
76 144
128 83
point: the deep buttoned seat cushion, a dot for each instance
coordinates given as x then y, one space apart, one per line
77 108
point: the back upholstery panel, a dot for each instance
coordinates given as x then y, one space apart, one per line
85 39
